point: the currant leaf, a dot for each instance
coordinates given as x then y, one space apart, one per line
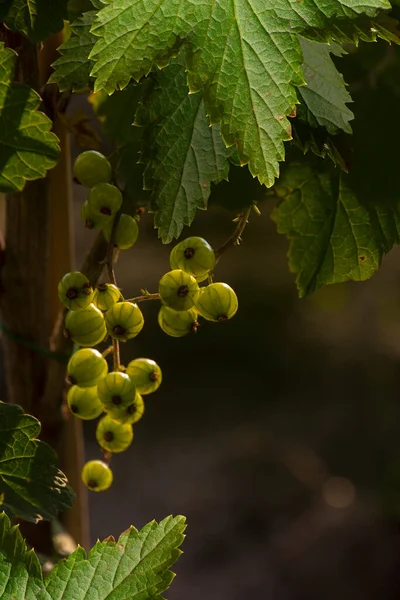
333 236
27 146
136 566
183 154
31 485
72 69
245 56
323 101
36 19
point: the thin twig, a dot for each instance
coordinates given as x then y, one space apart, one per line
116 355
235 238
137 299
113 280
107 351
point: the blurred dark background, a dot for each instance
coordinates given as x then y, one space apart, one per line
277 433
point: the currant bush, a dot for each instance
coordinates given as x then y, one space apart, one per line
99 314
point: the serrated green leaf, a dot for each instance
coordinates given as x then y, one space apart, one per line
72 69
36 19
27 146
136 567
20 571
245 55
183 154
333 236
323 101
32 486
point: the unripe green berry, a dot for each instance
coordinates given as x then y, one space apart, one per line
217 302
130 414
116 390
177 323
178 290
86 367
84 403
86 327
105 199
145 374
105 295
112 436
91 219
92 167
124 321
75 291
194 256
97 475
126 232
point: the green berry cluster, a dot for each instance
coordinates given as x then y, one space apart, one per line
93 170
187 293
114 396
183 300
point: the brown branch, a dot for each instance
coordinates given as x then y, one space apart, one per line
235 238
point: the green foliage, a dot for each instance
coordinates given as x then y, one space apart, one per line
228 47
72 69
333 236
27 146
323 100
135 567
184 155
36 19
31 486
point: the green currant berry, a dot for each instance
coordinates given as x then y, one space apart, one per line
91 219
86 327
116 390
112 436
97 475
177 323
75 291
194 256
126 232
84 403
92 167
86 367
217 302
105 199
178 290
124 321
130 414
145 374
174 265
105 296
